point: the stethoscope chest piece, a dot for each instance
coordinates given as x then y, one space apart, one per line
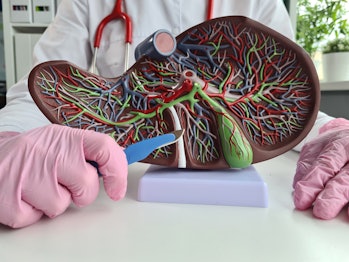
159 45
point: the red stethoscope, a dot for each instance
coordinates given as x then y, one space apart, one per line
116 14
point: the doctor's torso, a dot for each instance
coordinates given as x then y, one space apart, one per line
150 15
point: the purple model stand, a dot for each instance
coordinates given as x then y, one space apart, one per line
233 187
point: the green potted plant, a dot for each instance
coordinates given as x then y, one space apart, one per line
335 60
318 21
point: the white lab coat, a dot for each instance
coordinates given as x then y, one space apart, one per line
71 37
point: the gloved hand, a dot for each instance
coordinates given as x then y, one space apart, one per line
322 175
42 171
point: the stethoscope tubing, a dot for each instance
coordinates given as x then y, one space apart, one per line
116 14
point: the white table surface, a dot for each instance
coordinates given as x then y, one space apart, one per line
129 230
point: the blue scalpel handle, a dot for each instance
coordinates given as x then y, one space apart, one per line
138 151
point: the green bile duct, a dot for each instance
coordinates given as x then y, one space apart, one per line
236 149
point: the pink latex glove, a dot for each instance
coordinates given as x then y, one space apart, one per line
322 175
42 171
